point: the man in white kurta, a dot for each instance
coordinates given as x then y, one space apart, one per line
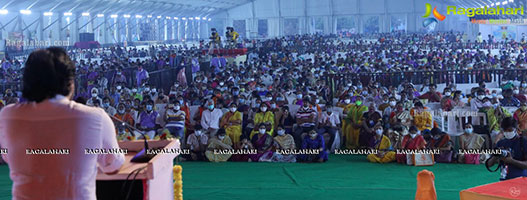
29 129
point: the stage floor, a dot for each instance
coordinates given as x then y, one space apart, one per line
343 177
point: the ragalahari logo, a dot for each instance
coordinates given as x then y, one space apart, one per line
431 20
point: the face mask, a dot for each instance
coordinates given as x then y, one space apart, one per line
221 137
273 106
118 87
149 107
299 96
358 103
364 93
495 105
280 132
106 105
262 131
468 130
524 84
176 107
263 109
180 102
392 103
198 133
221 83
347 101
405 132
233 109
134 90
317 101
94 94
279 98
413 135
481 97
211 107
235 93
313 135
494 95
378 132
516 91
359 87
509 135
447 94
121 111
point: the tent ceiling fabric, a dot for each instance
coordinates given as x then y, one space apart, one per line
141 7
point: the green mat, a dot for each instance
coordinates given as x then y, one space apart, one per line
343 177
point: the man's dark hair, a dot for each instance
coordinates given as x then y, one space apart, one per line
47 73
508 122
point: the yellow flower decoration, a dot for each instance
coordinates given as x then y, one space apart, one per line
178 182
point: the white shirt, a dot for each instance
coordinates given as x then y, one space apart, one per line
56 124
333 119
211 119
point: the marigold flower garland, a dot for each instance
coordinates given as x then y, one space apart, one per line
178 182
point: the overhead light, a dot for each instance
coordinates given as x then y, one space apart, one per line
504 3
138 16
159 16
67 14
204 18
209 19
492 4
176 18
191 18
184 18
149 16
48 13
168 17
85 14
197 18
3 12
100 15
25 12
126 16
113 16
498 3
511 1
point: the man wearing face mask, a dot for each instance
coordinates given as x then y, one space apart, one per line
197 143
313 141
412 141
210 118
175 119
329 123
94 97
382 144
478 102
305 120
148 120
515 163
519 95
107 107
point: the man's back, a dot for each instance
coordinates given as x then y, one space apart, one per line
57 124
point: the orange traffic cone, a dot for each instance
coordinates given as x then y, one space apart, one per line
426 189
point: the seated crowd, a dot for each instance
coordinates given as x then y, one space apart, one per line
281 106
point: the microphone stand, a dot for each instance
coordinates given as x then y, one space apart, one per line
142 156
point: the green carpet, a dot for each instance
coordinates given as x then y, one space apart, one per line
343 177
